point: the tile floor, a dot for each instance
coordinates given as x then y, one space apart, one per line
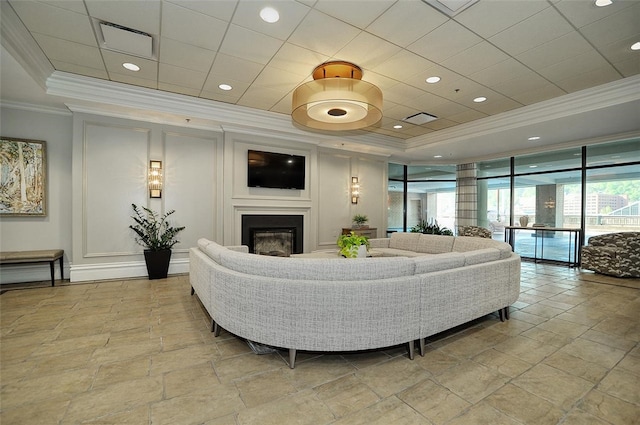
140 352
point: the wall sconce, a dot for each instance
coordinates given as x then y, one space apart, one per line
355 190
550 203
155 179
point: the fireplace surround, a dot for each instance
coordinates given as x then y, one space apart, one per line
279 235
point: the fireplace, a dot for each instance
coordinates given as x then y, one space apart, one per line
277 235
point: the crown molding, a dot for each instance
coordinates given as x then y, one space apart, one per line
21 45
610 94
96 96
34 108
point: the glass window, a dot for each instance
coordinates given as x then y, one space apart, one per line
547 161
613 200
434 200
613 153
494 203
498 167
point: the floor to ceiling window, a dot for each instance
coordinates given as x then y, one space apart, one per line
594 188
430 195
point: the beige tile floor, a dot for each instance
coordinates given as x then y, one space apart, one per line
140 352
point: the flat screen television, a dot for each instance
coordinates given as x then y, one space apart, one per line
275 170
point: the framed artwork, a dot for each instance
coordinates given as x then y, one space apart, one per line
23 177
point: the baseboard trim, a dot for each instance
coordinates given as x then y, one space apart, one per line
110 271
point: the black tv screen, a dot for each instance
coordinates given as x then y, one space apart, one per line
275 170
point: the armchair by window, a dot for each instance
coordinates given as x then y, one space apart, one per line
476 231
615 254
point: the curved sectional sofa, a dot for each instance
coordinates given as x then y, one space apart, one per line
422 285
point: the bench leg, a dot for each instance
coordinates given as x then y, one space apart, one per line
61 269
53 278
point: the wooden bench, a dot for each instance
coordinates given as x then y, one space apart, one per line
41 256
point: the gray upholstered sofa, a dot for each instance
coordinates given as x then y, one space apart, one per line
615 254
338 304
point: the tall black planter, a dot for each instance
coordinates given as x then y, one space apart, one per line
157 263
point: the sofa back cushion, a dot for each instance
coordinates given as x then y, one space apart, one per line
338 269
435 244
434 263
481 256
469 243
202 243
628 240
405 241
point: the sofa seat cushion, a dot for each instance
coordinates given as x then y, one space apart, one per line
338 269
435 244
428 263
406 241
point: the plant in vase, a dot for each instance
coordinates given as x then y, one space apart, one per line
432 228
154 233
359 221
352 245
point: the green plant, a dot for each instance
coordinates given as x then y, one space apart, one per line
349 244
432 227
360 219
152 230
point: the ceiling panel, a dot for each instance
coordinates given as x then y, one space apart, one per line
446 41
405 22
174 52
514 52
249 45
532 32
192 27
42 18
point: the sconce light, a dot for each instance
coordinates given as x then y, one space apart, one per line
355 190
155 179
550 203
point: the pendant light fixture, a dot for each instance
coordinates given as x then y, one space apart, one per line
337 99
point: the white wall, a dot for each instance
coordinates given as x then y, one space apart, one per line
54 230
98 167
110 162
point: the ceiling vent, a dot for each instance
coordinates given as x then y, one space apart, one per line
450 7
126 40
420 118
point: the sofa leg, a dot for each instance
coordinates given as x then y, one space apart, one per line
292 358
215 328
423 346
506 312
411 349
501 314
193 291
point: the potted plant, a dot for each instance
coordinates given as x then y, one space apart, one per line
359 221
432 227
352 245
154 233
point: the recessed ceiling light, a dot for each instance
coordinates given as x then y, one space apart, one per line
480 99
131 66
602 3
437 156
225 87
432 80
397 126
534 138
533 166
270 15
635 46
